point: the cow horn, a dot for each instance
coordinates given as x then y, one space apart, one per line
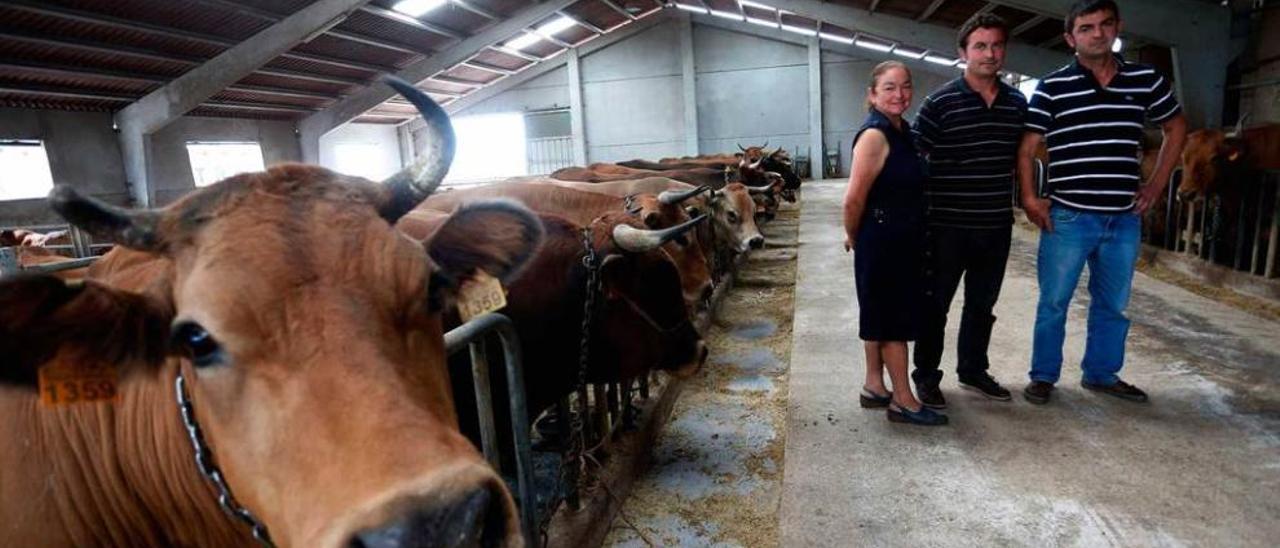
409 187
671 197
759 189
134 229
1239 130
638 240
740 147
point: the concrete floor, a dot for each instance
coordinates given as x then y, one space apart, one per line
1199 465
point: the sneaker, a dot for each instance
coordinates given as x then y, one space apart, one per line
931 397
1038 392
923 417
987 386
1119 389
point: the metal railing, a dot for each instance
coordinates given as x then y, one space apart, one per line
547 154
471 335
1240 233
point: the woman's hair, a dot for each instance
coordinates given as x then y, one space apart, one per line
879 70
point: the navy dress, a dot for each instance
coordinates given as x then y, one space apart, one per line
888 255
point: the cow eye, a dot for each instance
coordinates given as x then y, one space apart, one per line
197 343
733 216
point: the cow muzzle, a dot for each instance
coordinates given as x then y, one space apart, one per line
476 518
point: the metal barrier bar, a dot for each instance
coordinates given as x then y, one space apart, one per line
484 404
1269 271
9 262
473 331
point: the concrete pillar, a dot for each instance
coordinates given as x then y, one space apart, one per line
404 138
1201 75
816 153
689 79
577 118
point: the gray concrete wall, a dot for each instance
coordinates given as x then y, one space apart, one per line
170 168
383 146
633 104
1263 103
83 152
749 91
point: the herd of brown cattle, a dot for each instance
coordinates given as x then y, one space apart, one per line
310 365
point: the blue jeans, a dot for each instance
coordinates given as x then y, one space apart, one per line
1109 244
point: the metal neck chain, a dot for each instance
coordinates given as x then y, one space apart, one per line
208 469
591 263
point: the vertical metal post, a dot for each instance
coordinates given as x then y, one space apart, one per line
484 404
563 419
1204 225
1170 213
577 116
9 262
1270 270
601 414
1256 257
615 410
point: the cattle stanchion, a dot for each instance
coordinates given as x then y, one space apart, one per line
9 262
464 336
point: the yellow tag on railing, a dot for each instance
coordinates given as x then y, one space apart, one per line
66 383
482 293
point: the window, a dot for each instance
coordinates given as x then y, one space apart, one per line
490 146
213 162
26 170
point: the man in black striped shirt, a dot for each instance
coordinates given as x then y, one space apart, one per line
969 132
1091 113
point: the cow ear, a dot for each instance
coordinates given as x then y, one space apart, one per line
612 270
494 236
84 324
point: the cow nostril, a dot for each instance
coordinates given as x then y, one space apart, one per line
472 520
757 242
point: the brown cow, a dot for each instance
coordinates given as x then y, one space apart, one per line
583 207
30 238
312 359
714 178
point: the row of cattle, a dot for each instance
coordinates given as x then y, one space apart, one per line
264 358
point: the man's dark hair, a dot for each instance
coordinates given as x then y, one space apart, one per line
981 21
1085 7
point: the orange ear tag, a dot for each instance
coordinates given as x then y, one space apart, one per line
481 294
66 383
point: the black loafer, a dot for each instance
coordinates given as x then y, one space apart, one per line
1119 389
923 417
870 400
986 386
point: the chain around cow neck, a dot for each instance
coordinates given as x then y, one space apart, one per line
209 469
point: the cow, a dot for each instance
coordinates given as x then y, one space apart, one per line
640 322
582 207
714 178
731 208
298 378
30 238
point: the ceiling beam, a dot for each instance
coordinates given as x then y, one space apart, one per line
1031 23
930 10
475 9
581 22
133 76
619 9
316 125
1023 57
413 22
273 17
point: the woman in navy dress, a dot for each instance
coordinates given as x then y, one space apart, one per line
884 227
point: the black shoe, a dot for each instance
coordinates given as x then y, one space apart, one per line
923 417
986 386
1038 392
1119 389
871 400
931 397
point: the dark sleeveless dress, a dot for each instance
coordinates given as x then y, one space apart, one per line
889 254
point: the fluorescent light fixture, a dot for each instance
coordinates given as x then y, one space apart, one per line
727 15
1117 45
523 41
555 26
909 53
799 30
876 46
939 60
756 5
762 22
694 9
835 38
416 8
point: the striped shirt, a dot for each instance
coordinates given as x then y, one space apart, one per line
1093 133
972 151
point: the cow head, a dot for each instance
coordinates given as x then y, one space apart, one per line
309 335
732 210
644 320
1207 157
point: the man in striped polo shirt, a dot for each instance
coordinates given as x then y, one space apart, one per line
1091 113
969 131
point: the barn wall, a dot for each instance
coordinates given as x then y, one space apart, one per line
1263 102
381 163
749 90
170 168
83 151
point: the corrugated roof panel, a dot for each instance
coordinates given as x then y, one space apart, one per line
471 74
322 68
448 16
23 78
53 27
68 56
227 112
597 14
294 83
183 15
372 25
30 100
354 51
542 48
270 98
499 59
